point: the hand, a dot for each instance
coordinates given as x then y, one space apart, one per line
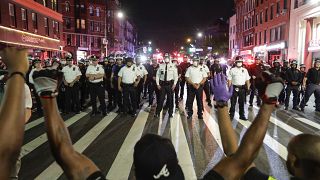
15 59
304 87
65 83
159 87
91 78
112 86
220 91
294 83
71 84
46 82
173 87
120 88
196 86
254 77
135 84
269 87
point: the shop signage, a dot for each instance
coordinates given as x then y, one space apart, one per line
30 39
276 46
259 48
246 52
314 45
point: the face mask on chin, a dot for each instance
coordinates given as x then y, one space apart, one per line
167 60
239 64
63 62
195 63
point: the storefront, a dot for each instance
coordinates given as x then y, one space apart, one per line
260 52
276 51
40 46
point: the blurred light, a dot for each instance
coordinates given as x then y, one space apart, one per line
143 58
223 61
199 35
120 15
188 40
182 48
149 42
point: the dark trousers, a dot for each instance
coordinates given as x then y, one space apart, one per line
240 95
152 88
295 92
97 90
62 97
110 92
206 89
117 95
195 93
254 92
139 92
38 102
72 101
84 92
145 88
176 95
166 89
129 98
182 84
311 89
282 96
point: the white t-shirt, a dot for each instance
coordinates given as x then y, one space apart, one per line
98 69
238 76
196 74
28 98
31 74
71 73
128 74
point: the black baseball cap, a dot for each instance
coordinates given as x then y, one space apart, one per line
69 59
155 158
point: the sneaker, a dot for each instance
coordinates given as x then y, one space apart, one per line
251 105
296 108
302 110
133 114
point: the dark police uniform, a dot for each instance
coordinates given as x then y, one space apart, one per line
129 76
96 89
107 81
142 72
284 69
183 66
303 74
206 87
117 93
293 79
84 89
255 71
152 85
313 77
166 78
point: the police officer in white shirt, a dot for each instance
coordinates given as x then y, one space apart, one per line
71 76
166 80
95 74
37 67
196 76
142 71
128 80
239 78
206 87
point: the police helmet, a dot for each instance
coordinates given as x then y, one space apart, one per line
285 61
36 60
128 59
276 61
93 58
302 65
81 61
239 59
69 59
119 57
294 62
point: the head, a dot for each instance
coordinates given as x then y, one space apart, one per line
276 63
129 61
69 61
119 61
317 63
303 159
94 60
154 62
293 64
155 156
302 68
167 58
201 61
258 61
195 62
138 61
37 63
216 61
111 61
239 61
174 61
185 58
285 63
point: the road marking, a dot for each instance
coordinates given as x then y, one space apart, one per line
181 146
309 122
54 170
34 123
121 166
34 144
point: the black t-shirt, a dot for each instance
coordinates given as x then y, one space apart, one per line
252 174
212 175
313 76
108 71
96 176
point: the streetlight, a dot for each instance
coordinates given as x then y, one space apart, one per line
149 42
120 15
189 40
182 48
199 34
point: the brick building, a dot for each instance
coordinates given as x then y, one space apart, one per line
233 46
34 24
84 28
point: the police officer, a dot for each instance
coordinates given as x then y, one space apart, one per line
293 79
196 77
114 83
176 90
71 76
206 86
83 84
303 74
95 74
152 85
37 67
108 65
239 78
183 66
142 72
284 69
276 68
166 79
216 68
127 82
148 67
313 86
255 71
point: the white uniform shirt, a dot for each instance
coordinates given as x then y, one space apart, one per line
28 98
238 76
98 69
31 74
128 74
71 73
142 71
206 69
196 74
172 73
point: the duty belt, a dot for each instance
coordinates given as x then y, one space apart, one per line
164 83
237 88
126 84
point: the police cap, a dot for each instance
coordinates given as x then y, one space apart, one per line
302 65
239 59
317 60
276 61
69 59
36 60
294 62
128 59
93 58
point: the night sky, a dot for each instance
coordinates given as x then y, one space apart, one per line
166 22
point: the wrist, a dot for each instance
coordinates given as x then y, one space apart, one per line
221 104
17 73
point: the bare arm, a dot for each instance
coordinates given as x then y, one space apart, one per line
248 84
12 112
249 146
203 81
74 164
229 83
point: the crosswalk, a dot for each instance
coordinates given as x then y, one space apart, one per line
110 141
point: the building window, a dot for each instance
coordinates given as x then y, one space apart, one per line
278 7
91 26
44 2
285 4
83 24
98 27
84 41
69 40
261 17
91 11
24 18
257 19
271 12
68 23
98 12
260 36
67 6
46 26
261 1
78 23
78 40
12 13
54 5
95 42
83 9
55 27
91 41
265 36
34 20
266 16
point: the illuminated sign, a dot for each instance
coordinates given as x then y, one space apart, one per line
246 52
259 48
277 46
30 39
314 45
